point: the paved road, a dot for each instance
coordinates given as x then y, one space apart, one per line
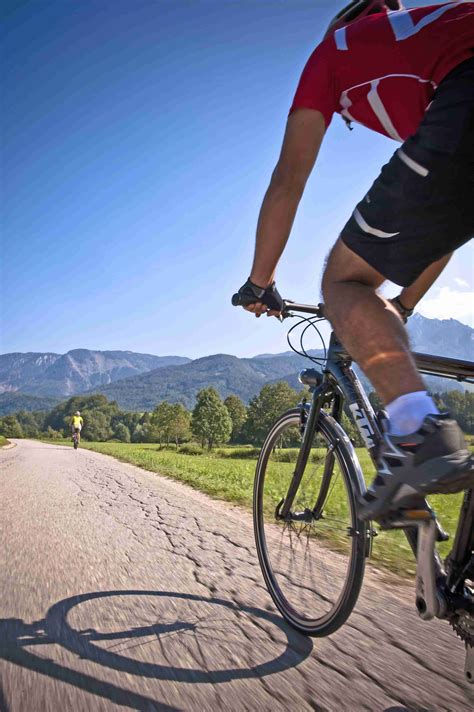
119 588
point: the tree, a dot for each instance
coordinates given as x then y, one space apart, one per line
180 428
161 419
272 401
10 427
122 433
238 415
145 432
130 420
460 406
171 422
96 426
138 435
28 424
211 422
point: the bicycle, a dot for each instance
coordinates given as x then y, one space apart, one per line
306 515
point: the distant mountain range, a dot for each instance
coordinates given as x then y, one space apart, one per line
228 374
35 381
77 371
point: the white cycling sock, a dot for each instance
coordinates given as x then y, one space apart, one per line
407 412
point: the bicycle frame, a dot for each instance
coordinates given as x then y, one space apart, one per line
443 590
338 385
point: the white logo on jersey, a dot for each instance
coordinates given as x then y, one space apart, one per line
376 103
403 26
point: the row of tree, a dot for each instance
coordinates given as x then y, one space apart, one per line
212 422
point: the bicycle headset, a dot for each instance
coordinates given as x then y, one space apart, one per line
358 9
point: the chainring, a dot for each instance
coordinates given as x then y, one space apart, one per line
461 620
463 625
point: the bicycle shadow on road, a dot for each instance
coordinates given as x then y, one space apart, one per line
204 624
405 709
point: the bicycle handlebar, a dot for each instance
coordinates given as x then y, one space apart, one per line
238 300
289 307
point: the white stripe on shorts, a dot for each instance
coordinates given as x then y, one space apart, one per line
370 230
414 165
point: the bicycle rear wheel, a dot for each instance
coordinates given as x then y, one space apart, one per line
313 561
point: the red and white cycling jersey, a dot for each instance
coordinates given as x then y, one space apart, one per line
383 69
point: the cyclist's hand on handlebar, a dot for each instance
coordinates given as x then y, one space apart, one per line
259 300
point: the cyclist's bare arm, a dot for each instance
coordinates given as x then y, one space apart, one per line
410 296
304 133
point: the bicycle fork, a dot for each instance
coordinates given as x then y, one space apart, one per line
308 420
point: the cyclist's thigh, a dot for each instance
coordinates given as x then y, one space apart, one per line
421 207
344 265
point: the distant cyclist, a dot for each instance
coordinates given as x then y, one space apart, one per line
76 425
408 74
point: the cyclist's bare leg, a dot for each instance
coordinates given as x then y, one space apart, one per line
368 325
375 337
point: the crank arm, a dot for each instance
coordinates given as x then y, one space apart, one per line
429 602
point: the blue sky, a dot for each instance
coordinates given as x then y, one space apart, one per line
139 137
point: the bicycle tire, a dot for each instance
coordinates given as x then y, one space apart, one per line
334 437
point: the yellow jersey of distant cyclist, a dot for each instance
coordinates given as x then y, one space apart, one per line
77 421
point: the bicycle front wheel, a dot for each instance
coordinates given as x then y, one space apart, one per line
312 560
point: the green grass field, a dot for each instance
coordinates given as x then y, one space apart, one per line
226 475
3 441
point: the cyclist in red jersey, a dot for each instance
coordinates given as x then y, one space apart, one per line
409 74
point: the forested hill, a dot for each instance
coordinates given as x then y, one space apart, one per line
243 377
12 402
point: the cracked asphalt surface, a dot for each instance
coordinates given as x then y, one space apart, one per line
120 588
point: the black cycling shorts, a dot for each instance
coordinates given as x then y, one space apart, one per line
421 207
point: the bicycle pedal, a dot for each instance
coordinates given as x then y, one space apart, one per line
411 518
416 515
402 518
